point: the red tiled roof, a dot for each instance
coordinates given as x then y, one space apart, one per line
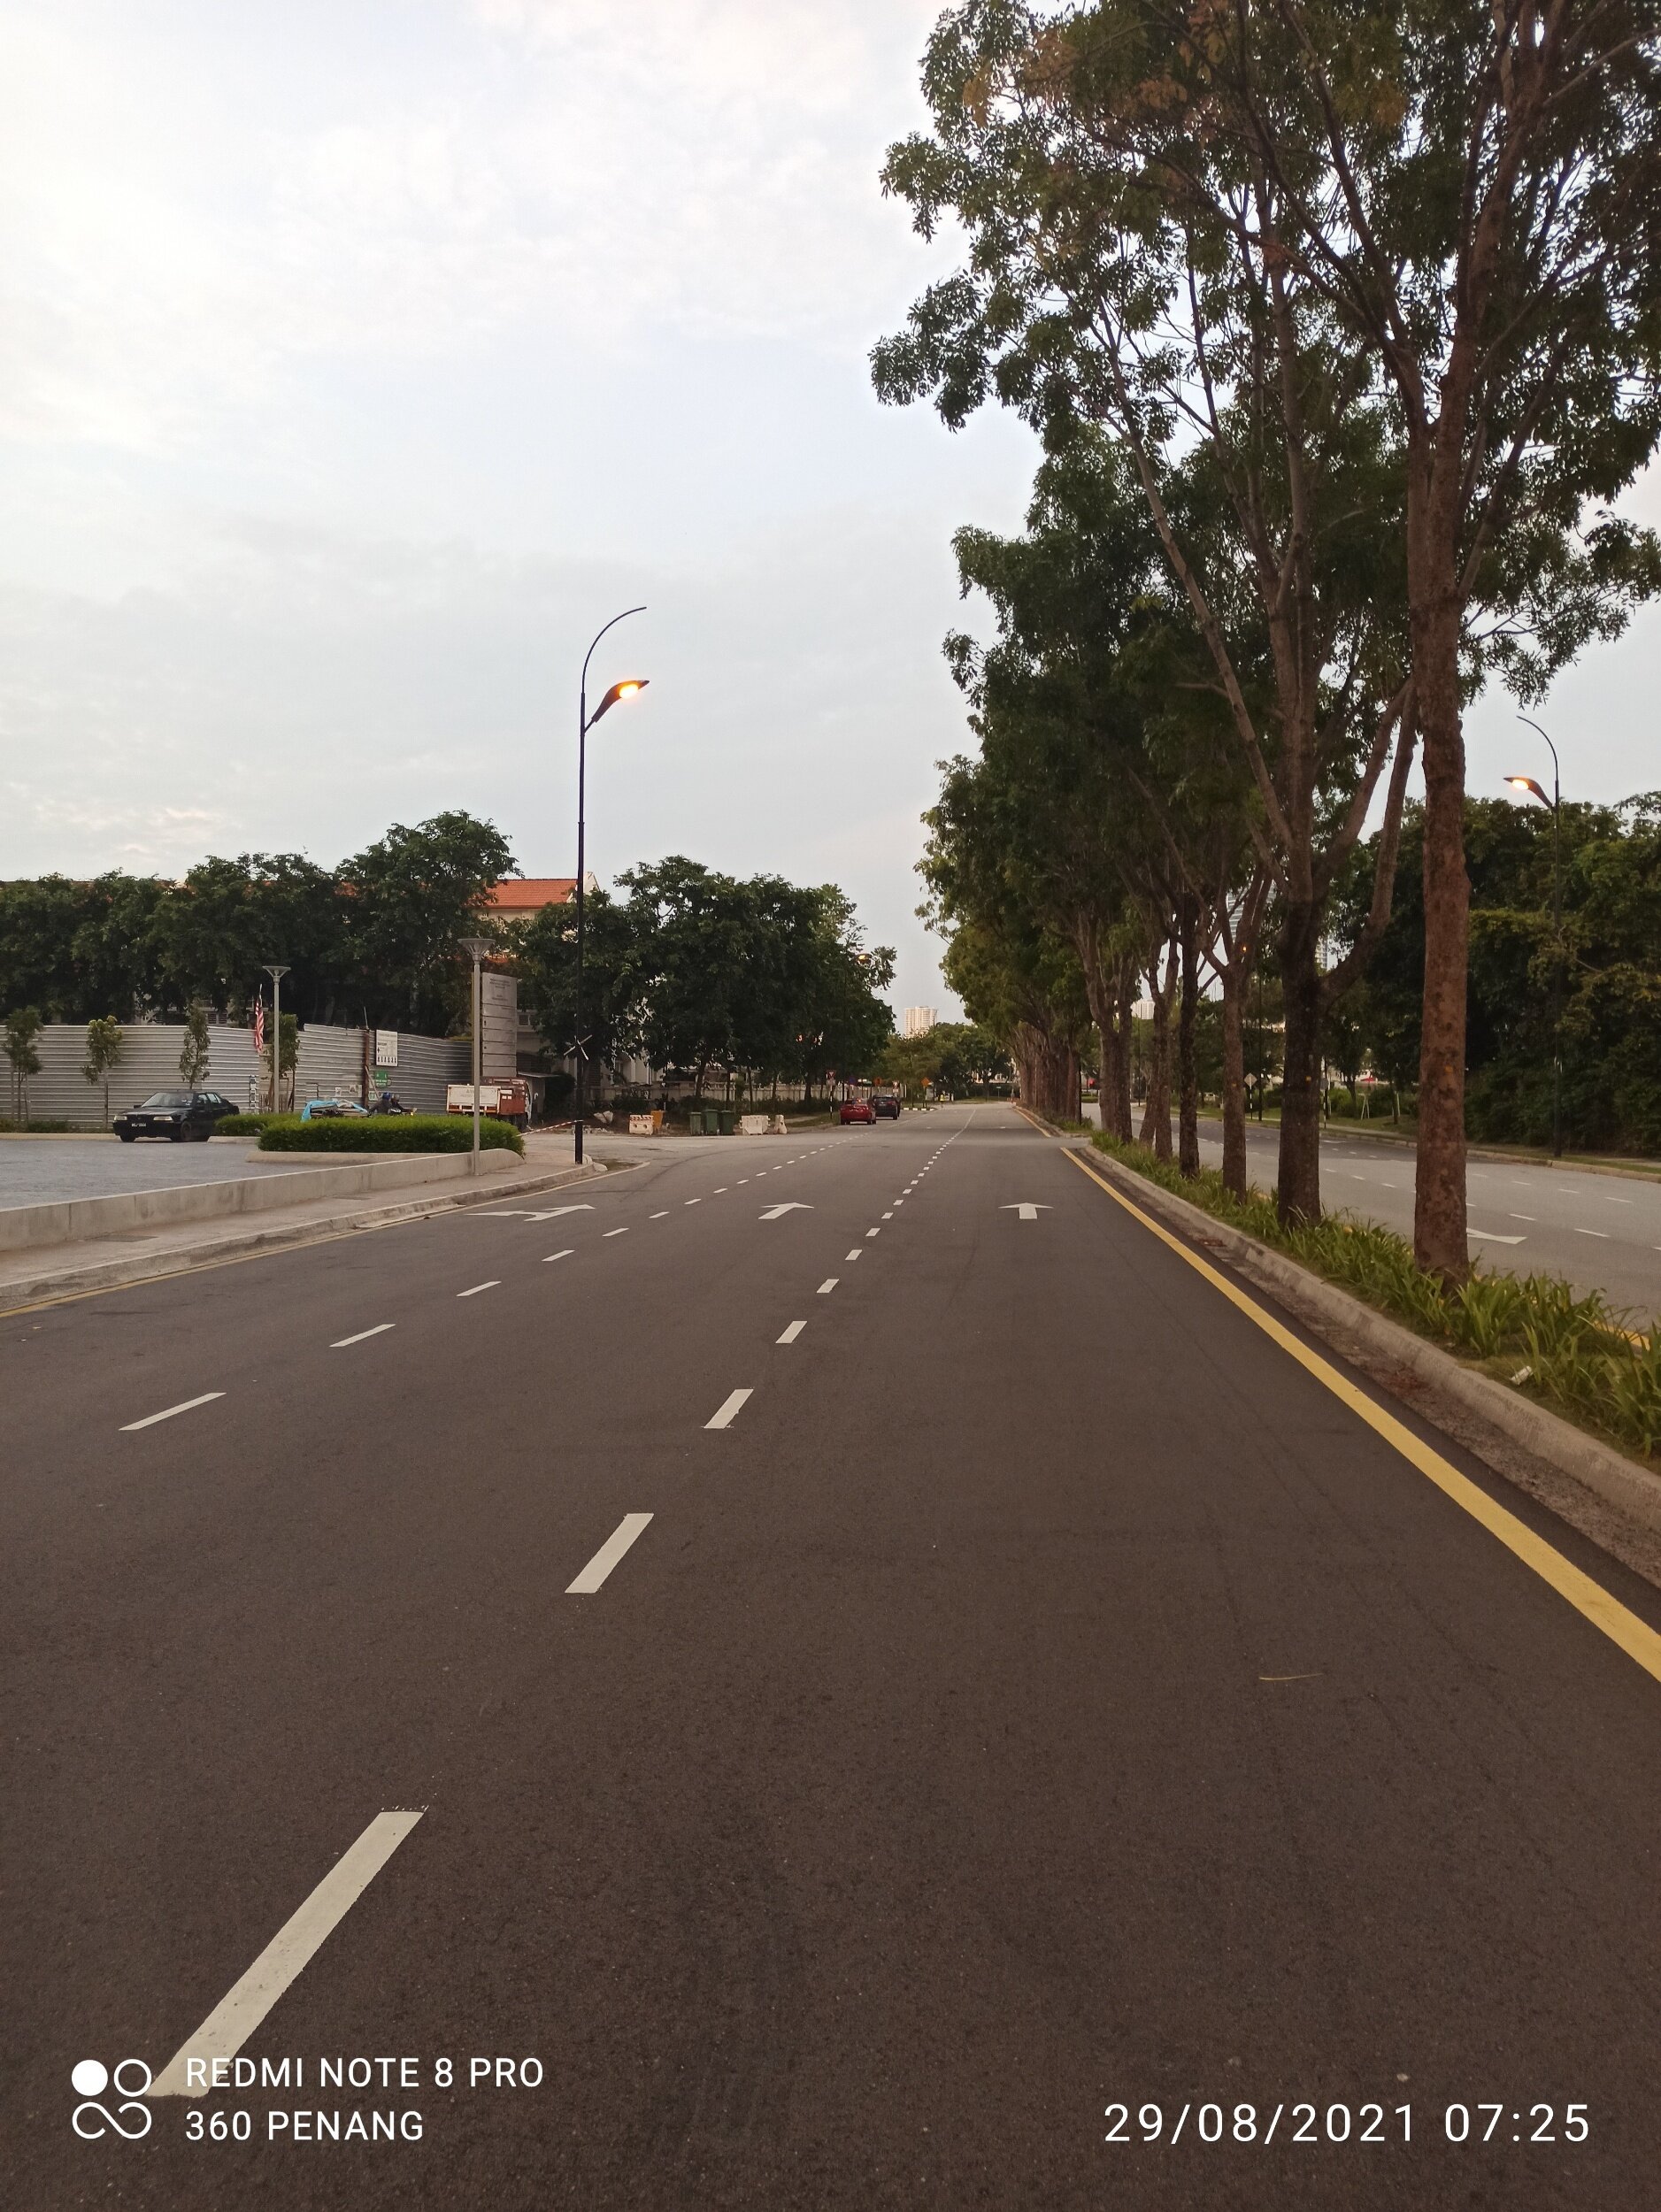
528 894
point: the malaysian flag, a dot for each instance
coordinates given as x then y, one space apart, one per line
259 1024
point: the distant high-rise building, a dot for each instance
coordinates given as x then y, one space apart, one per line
920 1021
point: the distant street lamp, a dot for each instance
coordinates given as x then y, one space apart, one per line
627 689
276 971
1527 783
477 950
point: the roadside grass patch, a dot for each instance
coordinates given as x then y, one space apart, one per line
1576 1354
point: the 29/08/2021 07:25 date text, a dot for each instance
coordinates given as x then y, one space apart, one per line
1246 2123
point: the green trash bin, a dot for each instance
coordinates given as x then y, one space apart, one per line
728 1121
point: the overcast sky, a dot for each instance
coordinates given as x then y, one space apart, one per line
359 357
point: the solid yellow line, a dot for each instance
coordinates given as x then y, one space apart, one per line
1635 1637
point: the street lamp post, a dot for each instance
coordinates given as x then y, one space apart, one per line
276 971
476 948
1527 783
627 689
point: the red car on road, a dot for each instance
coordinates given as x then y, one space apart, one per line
858 1110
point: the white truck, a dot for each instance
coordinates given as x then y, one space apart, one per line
500 1102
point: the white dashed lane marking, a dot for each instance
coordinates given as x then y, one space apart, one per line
724 1413
363 1335
828 1284
854 1255
495 1283
792 1333
168 1412
617 1233
565 1254
664 1216
233 2019
622 1537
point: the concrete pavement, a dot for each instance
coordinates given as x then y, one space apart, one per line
1040 1742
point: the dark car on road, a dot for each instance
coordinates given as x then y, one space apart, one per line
886 1109
176 1115
858 1110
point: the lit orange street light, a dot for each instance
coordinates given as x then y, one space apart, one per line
627 689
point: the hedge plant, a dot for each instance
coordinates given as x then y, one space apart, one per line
388 1133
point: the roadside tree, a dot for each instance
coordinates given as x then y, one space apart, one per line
106 1042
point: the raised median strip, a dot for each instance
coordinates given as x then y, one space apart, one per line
121 1213
109 1262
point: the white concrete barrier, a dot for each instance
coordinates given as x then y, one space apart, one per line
71 1220
752 1125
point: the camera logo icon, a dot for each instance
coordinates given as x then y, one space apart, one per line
91 2120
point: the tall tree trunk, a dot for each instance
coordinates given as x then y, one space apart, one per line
1233 1081
1155 1120
1099 990
1124 1015
1438 1196
1187 1015
1299 1194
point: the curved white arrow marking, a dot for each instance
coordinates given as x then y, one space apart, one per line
524 1213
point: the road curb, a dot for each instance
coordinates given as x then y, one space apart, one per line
152 1266
1619 1481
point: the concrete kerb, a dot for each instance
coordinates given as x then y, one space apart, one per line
208 1250
121 1213
1607 1473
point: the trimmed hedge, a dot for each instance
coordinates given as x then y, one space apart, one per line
389 1133
248 1125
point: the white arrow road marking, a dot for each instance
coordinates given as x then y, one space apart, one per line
1493 1236
1026 1211
150 1419
723 1417
790 1206
233 2019
363 1335
627 1529
524 1213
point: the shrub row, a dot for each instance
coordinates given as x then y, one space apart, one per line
1577 1354
389 1133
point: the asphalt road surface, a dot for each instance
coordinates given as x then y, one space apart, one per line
1603 1231
798 1685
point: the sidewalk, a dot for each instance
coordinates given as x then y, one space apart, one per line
33 1277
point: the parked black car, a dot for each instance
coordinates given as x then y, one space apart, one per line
176 1115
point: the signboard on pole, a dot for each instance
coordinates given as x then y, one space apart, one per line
386 1047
